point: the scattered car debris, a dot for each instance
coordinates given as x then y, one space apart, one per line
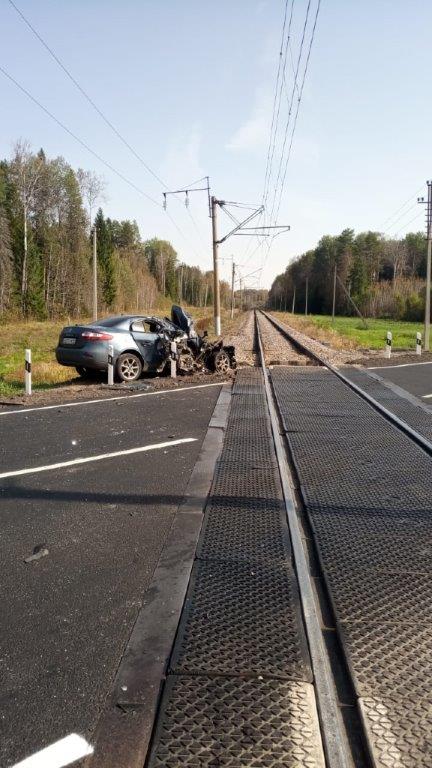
38 552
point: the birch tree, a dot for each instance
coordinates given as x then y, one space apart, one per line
26 170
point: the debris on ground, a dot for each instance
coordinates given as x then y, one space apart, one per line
38 552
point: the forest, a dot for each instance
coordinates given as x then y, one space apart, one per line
47 214
375 276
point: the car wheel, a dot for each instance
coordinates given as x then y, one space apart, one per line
221 362
129 367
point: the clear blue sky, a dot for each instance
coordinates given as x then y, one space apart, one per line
190 85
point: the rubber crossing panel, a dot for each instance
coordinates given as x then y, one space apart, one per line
238 691
243 619
367 491
234 723
416 416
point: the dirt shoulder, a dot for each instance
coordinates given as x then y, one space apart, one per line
397 358
78 389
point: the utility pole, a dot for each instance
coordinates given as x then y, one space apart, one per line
216 288
428 268
306 299
95 297
240 228
428 263
334 293
241 294
232 290
293 301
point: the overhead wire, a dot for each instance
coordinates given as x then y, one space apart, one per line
290 106
300 95
283 50
276 100
402 215
84 93
404 226
389 218
77 138
99 112
299 99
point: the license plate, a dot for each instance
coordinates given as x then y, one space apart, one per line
69 340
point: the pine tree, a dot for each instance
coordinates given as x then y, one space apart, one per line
105 254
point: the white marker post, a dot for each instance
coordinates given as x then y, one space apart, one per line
110 365
418 343
173 359
388 347
28 372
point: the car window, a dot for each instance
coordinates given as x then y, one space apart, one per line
112 322
145 326
138 325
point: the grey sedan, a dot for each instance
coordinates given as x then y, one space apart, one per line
140 343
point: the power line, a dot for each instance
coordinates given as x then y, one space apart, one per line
77 138
277 98
290 106
414 205
300 95
85 94
389 218
100 113
407 224
299 99
280 81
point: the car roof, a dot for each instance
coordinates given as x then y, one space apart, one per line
118 320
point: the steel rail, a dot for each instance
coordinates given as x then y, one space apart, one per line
399 423
335 742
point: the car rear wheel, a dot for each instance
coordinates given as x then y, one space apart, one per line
129 367
221 362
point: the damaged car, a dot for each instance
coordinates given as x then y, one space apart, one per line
142 344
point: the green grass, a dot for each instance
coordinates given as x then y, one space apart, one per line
372 337
41 338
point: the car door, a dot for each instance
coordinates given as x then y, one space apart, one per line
148 340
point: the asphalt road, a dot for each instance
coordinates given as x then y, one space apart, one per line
415 378
66 618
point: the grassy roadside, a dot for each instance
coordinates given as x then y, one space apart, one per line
41 338
350 333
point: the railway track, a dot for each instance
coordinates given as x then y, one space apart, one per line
356 485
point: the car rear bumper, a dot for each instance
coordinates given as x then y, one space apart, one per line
92 355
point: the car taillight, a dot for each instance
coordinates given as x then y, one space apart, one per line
96 336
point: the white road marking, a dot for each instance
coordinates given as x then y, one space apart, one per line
426 395
110 399
101 457
401 365
59 754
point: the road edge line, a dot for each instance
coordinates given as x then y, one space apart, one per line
125 727
75 403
